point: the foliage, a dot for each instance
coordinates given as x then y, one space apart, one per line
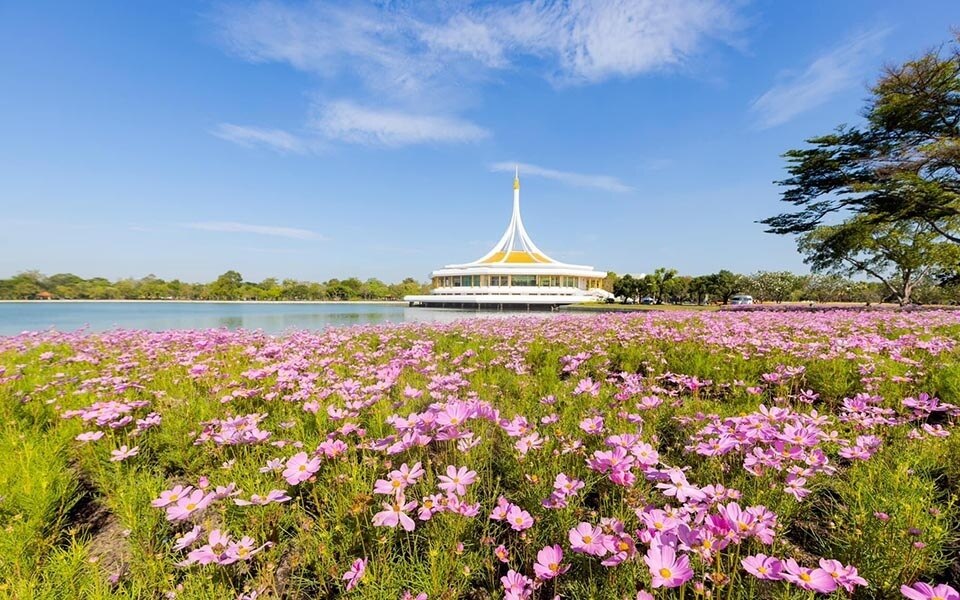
902 164
228 286
848 400
899 254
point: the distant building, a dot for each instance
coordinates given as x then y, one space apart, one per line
513 274
44 295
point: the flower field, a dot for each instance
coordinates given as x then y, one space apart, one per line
672 455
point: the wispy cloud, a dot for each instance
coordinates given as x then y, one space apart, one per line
349 122
274 139
829 75
606 183
420 64
233 227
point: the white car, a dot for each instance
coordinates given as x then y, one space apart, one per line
740 299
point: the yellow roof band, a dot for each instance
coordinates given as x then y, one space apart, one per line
517 257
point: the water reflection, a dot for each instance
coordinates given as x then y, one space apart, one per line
271 317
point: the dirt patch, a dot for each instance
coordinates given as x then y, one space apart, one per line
90 519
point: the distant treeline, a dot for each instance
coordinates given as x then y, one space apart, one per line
666 286
229 286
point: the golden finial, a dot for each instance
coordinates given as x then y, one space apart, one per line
516 179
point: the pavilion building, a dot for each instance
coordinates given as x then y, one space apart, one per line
513 274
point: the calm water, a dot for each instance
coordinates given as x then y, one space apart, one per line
16 317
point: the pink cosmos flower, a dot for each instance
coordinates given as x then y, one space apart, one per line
666 569
171 496
196 501
456 480
845 576
924 591
814 580
258 500
300 468
89 436
123 453
592 425
503 555
187 539
516 586
396 514
548 563
587 539
762 566
519 519
355 573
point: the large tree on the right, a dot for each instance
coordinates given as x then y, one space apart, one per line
898 170
902 163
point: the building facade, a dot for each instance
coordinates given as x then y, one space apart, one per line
513 274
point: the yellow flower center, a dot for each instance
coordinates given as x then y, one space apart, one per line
805 576
553 567
664 572
762 570
587 539
191 506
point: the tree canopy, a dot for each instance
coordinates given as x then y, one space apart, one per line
903 162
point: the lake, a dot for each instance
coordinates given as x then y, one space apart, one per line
272 317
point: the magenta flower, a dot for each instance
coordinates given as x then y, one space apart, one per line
519 519
456 480
814 580
762 566
924 591
171 496
549 561
666 569
89 436
355 573
396 514
195 501
845 576
123 453
187 539
516 586
300 468
587 539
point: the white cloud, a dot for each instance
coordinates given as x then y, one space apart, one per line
421 63
606 183
233 227
830 74
274 139
349 122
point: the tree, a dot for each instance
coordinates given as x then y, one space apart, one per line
899 254
724 284
774 285
677 289
658 280
626 287
700 289
227 286
903 164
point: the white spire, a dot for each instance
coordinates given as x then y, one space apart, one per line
515 240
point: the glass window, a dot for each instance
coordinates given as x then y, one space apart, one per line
523 280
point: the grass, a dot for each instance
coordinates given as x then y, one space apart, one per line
73 523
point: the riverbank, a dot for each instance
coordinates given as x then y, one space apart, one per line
84 301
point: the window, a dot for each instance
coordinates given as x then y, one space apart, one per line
499 280
523 280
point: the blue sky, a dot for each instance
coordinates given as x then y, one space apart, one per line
326 139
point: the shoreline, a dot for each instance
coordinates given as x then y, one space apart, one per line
78 301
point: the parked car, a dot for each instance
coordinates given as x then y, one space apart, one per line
648 300
738 299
